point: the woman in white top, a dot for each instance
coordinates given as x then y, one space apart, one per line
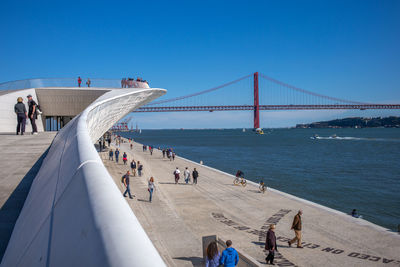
186 174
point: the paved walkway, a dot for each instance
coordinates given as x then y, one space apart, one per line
181 214
21 158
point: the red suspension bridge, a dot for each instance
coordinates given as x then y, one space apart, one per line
245 94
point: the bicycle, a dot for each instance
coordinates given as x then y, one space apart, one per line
240 180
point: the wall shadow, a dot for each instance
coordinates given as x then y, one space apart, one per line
11 209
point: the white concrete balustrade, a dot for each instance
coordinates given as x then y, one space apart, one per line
74 214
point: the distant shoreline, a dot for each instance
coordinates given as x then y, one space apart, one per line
355 122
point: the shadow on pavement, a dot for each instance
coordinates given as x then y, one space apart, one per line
11 209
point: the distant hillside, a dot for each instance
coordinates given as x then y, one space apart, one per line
357 122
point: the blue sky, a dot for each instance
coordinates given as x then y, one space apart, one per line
347 49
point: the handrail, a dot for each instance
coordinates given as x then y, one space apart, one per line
67 82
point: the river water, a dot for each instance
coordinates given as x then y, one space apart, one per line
360 169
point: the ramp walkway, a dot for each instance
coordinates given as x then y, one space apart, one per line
180 215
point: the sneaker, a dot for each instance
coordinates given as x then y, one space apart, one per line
124 195
299 247
131 197
35 133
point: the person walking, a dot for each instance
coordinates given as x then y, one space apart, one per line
79 81
20 110
151 188
270 244
124 158
213 255
109 141
125 180
140 169
131 146
296 226
230 257
173 155
32 113
195 175
88 82
116 155
133 167
111 155
186 174
176 174
163 153
170 155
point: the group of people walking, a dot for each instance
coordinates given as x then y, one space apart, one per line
22 114
186 175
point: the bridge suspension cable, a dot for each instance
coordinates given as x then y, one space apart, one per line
310 92
199 93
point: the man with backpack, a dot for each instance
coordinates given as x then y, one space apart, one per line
125 181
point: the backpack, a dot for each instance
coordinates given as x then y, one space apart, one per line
122 178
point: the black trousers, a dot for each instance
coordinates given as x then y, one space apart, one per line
270 257
21 120
33 122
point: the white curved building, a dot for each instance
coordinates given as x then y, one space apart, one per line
74 214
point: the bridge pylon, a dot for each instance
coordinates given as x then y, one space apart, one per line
256 103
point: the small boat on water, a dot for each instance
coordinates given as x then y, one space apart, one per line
333 136
259 131
316 136
244 130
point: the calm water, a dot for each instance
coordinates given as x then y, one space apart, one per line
361 171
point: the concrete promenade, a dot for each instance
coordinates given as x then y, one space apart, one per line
21 158
181 214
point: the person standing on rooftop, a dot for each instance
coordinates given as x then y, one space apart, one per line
88 82
20 110
296 226
79 81
32 113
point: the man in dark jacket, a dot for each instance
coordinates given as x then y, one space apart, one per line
195 174
296 226
32 113
270 244
20 110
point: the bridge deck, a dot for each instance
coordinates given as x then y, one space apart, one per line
181 214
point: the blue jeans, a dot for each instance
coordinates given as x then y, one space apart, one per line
116 159
151 194
128 190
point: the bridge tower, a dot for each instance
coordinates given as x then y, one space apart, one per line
256 103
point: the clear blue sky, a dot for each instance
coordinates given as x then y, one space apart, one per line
347 49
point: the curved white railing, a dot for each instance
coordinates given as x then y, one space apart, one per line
75 214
